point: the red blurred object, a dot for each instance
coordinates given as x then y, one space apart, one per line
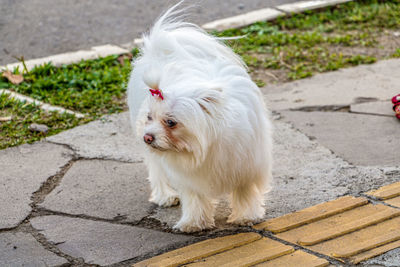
396 99
396 109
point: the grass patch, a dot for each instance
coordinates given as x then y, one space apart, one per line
94 87
296 47
16 130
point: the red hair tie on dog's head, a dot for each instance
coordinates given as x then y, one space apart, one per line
157 93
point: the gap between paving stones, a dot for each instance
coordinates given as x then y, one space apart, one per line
37 197
41 239
50 184
336 108
78 157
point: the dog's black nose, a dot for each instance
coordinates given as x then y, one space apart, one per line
148 138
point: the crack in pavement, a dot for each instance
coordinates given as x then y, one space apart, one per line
50 184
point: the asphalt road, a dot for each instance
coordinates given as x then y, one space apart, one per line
38 28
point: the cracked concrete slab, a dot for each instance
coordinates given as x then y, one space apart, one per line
111 137
306 173
23 170
104 243
360 139
384 108
103 189
22 249
338 88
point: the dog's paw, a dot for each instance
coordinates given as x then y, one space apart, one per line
242 221
190 227
165 201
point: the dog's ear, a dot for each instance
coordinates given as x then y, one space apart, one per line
210 99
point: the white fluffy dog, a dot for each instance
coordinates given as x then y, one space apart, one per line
204 124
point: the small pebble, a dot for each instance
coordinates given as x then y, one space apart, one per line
241 6
34 127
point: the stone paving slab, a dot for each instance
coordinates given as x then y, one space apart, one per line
103 243
384 108
22 249
306 174
108 138
360 139
377 81
103 189
23 169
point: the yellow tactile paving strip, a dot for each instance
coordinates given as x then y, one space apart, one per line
390 194
247 255
352 235
246 249
311 214
349 229
298 259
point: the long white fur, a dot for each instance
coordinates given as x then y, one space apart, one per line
222 142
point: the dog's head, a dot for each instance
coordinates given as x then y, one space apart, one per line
180 116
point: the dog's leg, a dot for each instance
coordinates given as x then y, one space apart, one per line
247 205
197 212
162 193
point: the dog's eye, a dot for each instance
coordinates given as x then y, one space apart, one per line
170 123
149 118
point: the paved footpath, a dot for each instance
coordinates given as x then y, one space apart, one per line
80 197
